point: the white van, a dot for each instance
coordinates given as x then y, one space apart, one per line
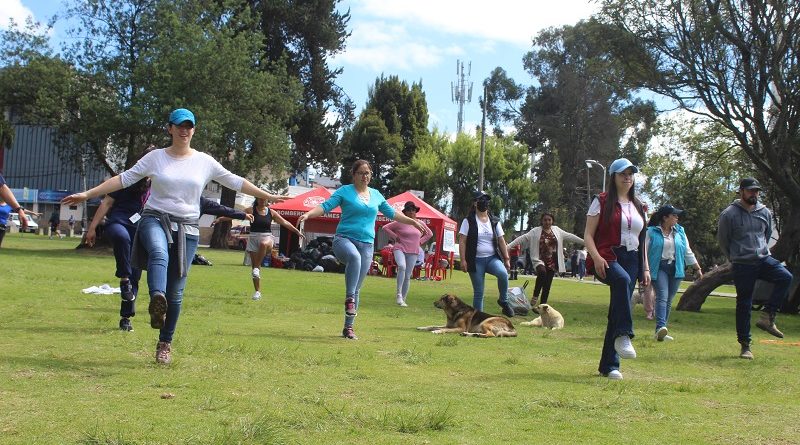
13 221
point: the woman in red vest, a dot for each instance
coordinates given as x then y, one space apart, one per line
614 232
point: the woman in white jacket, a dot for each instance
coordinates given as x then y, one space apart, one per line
546 247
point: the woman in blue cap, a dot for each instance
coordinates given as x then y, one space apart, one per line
168 233
668 254
614 233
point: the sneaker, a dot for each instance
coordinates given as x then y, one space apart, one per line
350 307
126 290
163 352
125 325
745 352
534 302
624 347
401 302
256 295
668 338
767 323
649 316
507 311
158 310
348 333
661 333
614 375
256 273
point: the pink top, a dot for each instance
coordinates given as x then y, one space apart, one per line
406 238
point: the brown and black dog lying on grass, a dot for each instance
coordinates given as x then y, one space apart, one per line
466 320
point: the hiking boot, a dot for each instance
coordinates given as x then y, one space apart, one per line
624 347
158 310
164 352
125 324
350 307
745 352
506 307
767 323
348 333
126 290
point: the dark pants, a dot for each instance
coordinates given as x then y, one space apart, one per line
544 279
121 237
744 277
621 277
2 233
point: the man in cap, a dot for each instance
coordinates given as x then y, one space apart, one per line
744 231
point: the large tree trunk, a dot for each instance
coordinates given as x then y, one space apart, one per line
788 249
696 294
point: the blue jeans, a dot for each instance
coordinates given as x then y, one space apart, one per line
666 286
493 266
121 237
162 269
405 266
744 277
581 268
621 277
357 258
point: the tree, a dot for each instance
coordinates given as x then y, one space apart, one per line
427 169
737 63
582 109
403 113
302 35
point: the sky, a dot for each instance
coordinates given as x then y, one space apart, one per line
416 40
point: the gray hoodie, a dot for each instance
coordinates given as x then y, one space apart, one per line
743 235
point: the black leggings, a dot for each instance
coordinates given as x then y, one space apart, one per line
544 278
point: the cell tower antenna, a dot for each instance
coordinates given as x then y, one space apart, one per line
461 91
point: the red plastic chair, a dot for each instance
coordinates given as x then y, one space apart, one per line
389 268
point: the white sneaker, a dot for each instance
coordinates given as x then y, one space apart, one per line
401 302
668 338
256 273
615 374
661 333
624 348
257 295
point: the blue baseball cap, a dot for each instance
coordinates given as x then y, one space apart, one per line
180 116
620 165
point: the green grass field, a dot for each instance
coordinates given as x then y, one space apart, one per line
277 372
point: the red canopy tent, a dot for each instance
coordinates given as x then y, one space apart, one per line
443 228
292 208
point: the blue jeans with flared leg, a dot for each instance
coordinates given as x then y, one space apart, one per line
357 259
162 269
493 266
666 286
621 277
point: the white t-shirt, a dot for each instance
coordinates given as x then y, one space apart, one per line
485 235
582 255
176 184
631 223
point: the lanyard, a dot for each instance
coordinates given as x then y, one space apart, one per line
629 215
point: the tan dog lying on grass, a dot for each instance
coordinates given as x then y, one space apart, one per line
548 318
466 320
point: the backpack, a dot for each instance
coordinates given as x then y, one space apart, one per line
518 301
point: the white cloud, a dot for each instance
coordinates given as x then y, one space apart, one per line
13 10
511 21
380 46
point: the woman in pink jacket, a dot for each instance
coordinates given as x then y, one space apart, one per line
406 240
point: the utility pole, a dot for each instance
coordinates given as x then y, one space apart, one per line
483 140
461 91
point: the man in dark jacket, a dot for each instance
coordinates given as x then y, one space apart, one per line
744 231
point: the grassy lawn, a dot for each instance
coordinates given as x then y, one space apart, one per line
276 371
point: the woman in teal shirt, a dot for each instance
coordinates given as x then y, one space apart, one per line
353 243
